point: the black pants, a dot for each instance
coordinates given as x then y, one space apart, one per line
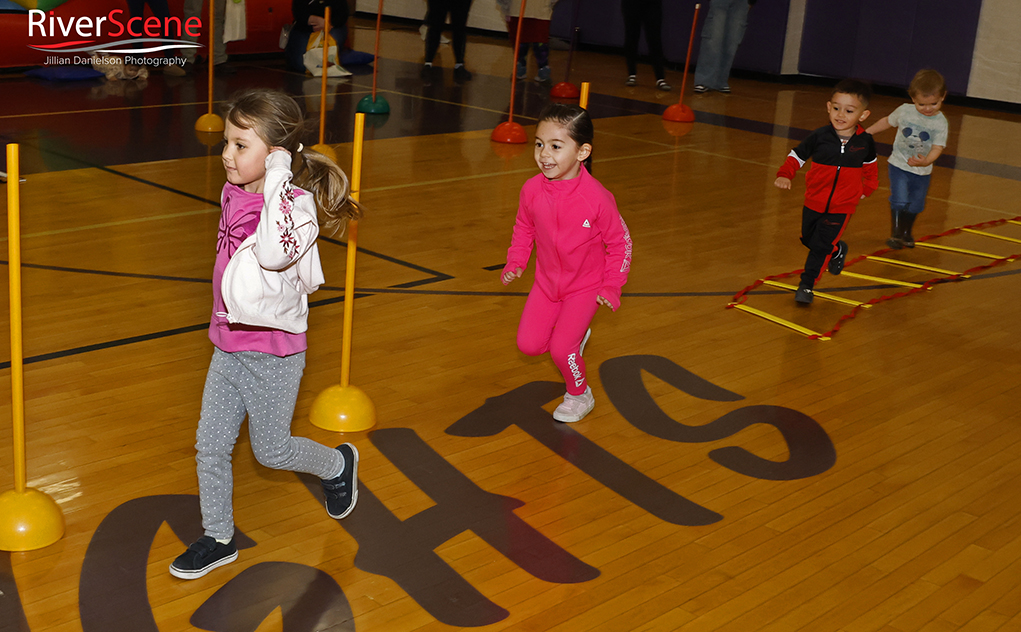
820 232
436 17
647 13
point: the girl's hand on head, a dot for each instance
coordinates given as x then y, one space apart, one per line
510 275
603 301
782 183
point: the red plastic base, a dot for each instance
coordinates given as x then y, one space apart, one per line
679 113
508 132
677 129
565 90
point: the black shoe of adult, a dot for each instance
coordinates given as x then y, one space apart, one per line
461 74
224 69
342 492
202 556
837 260
804 295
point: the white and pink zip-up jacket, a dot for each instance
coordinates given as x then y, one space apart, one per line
582 243
267 264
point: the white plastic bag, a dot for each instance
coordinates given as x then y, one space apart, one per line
235 26
285 34
313 58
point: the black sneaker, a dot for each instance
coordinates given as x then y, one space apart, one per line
461 74
725 89
342 492
804 295
837 260
632 81
663 85
202 556
700 88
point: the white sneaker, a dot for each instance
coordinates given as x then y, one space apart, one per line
575 407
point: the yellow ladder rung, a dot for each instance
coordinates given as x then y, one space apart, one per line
993 235
916 266
1013 221
779 321
866 277
818 294
962 251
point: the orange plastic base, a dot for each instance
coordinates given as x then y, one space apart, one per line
677 129
565 90
343 409
508 132
29 520
325 150
209 123
679 113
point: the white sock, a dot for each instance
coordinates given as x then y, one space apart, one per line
342 464
223 541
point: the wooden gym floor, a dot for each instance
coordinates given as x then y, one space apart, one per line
735 475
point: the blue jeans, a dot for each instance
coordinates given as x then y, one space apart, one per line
297 44
907 190
721 35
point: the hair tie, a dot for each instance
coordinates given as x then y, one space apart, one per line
300 147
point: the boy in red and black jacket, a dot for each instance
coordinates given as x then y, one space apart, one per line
843 172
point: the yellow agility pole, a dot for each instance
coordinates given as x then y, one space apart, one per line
29 519
322 147
583 99
866 277
779 321
916 266
343 407
960 251
993 235
210 122
823 295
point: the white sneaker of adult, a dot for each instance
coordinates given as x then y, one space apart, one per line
575 407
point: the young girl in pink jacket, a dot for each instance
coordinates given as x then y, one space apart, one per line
583 251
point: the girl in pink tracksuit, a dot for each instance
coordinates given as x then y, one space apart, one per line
583 251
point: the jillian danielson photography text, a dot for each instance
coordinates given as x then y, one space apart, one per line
137 60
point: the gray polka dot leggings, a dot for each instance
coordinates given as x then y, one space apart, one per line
265 387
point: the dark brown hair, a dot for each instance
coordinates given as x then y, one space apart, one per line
856 88
575 120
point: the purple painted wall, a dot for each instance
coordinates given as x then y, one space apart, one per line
601 24
887 41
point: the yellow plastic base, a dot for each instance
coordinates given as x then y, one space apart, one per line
29 520
325 150
343 409
209 123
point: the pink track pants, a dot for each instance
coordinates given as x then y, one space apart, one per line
558 327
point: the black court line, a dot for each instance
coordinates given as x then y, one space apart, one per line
365 292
